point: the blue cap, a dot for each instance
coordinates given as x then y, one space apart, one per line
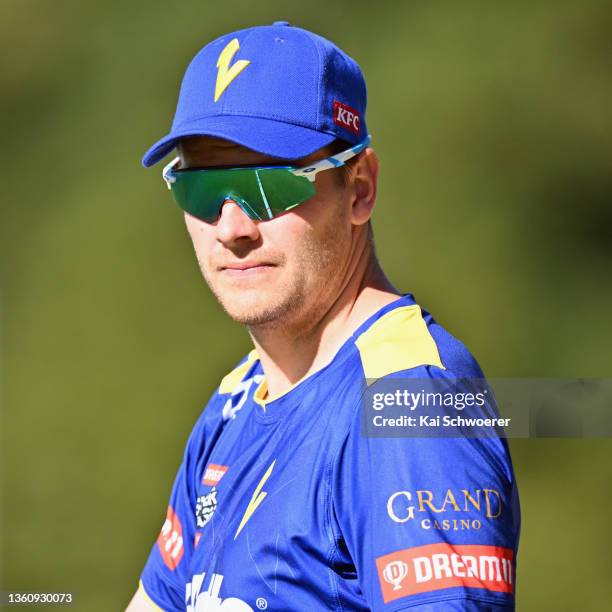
279 90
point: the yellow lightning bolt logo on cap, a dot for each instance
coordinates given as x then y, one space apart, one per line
256 499
226 73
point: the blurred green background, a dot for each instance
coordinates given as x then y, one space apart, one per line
494 126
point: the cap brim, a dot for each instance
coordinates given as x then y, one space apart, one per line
265 136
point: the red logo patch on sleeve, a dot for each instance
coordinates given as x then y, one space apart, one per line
442 566
213 474
346 117
170 540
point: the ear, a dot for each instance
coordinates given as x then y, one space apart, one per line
364 183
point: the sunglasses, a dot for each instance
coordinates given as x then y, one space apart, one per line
262 192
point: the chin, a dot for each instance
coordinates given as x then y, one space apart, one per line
254 317
258 307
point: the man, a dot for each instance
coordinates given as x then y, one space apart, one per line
282 502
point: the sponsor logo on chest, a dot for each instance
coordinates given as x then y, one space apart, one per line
205 507
197 600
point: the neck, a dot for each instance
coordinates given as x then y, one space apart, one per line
291 352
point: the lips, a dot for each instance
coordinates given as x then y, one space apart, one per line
246 265
248 270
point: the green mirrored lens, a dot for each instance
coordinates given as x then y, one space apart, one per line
263 193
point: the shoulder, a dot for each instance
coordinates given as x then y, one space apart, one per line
408 337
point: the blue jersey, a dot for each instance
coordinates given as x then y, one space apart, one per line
285 505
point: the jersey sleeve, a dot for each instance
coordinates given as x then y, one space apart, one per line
430 523
165 573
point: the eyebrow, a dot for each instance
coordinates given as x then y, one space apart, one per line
200 160
200 150
230 166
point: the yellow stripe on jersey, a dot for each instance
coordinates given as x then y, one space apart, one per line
229 382
141 587
398 341
261 393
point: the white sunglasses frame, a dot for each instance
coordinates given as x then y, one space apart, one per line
310 172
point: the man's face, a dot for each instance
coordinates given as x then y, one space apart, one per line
277 271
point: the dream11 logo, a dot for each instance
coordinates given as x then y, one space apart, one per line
394 573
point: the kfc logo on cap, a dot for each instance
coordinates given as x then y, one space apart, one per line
346 117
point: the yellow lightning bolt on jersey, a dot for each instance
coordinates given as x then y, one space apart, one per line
256 499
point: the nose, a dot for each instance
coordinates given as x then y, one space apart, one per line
234 224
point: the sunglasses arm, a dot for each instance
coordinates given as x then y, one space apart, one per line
335 161
167 172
